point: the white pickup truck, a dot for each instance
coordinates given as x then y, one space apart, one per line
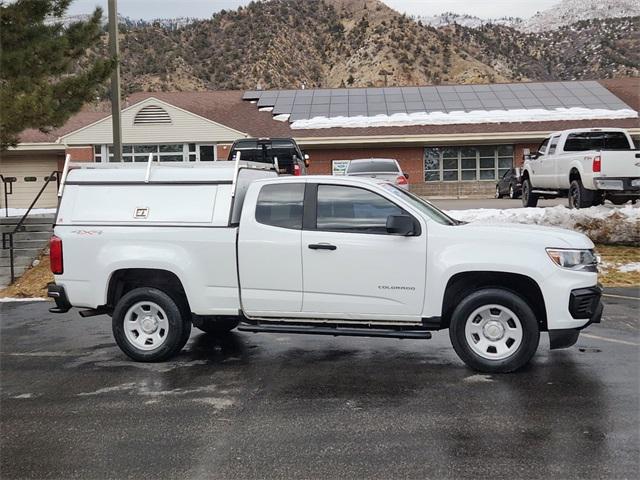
222 247
588 166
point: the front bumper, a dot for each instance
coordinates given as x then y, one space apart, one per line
59 295
584 303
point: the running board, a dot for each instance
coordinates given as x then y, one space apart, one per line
336 331
546 192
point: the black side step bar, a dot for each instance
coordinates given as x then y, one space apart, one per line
336 331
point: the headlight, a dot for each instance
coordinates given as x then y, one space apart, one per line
574 259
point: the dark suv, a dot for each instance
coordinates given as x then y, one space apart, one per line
284 153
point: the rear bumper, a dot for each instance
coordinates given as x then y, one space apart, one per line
618 185
59 295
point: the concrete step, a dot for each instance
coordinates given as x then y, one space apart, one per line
35 227
30 220
5 274
22 236
21 261
21 252
28 244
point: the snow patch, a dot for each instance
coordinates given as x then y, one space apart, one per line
21 299
284 117
463 117
603 224
629 267
265 109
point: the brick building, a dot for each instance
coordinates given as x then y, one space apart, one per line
453 141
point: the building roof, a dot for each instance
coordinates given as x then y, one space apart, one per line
228 108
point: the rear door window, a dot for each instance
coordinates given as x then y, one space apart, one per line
280 205
554 144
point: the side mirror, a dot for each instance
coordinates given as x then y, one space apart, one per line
400 225
406 175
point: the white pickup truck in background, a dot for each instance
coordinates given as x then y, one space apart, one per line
588 166
221 247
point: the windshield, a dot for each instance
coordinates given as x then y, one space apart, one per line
430 210
373 166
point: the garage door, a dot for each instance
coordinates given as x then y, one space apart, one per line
30 172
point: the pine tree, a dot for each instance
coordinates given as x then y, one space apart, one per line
45 73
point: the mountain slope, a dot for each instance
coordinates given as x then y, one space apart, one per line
331 43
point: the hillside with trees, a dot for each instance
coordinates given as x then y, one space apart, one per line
332 43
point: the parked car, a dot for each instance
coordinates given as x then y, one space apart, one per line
284 152
587 165
509 184
328 255
382 168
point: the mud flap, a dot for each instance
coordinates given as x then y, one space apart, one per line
563 338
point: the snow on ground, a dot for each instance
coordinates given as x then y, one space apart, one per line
19 212
21 299
603 224
464 117
629 267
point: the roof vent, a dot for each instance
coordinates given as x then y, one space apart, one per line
151 115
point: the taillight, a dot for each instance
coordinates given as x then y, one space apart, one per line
401 180
55 255
597 164
297 171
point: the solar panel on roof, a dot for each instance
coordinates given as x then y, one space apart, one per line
304 104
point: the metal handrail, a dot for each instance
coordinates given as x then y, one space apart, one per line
7 237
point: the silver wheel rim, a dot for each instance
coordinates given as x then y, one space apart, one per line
146 325
493 332
497 192
512 192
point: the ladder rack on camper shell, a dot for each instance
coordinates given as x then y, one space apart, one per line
151 164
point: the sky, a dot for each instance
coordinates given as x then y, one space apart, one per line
150 9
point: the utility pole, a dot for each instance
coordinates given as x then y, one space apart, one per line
114 50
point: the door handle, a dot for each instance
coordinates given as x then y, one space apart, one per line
322 246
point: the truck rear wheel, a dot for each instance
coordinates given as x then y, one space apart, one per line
529 199
580 197
149 325
494 331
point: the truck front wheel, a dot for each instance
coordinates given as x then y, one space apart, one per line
494 331
580 197
149 325
529 199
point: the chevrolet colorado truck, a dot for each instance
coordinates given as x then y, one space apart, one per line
220 247
588 166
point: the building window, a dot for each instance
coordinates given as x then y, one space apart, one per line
165 152
467 163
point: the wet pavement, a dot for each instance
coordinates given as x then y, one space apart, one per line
294 406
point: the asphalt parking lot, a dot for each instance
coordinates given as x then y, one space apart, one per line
284 406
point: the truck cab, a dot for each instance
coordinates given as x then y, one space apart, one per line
283 153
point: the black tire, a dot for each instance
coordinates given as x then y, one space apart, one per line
529 199
494 296
498 194
218 326
176 334
580 197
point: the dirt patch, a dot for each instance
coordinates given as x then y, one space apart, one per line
33 283
613 258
